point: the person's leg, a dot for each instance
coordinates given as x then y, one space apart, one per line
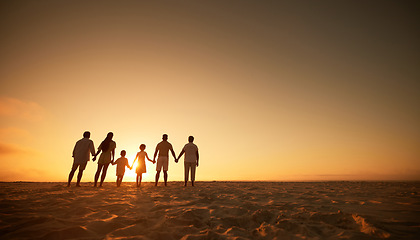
157 177
165 177
121 179
193 167
159 166
165 163
73 169
82 167
186 173
98 172
79 177
137 180
140 177
104 169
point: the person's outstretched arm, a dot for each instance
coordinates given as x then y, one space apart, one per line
147 156
92 148
96 154
173 153
135 159
137 156
180 155
154 156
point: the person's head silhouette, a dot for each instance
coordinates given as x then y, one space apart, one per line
86 134
109 135
105 143
165 137
191 139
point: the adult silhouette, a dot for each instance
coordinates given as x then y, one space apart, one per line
190 160
107 148
163 159
81 156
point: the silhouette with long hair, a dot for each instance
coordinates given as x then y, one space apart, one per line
141 166
107 148
81 156
190 160
121 162
163 159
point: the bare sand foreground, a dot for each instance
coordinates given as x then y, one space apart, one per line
211 210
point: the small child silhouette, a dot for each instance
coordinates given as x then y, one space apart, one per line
141 166
121 162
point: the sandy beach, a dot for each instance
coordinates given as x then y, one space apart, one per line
211 210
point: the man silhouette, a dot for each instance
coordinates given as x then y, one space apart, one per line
190 160
81 156
163 159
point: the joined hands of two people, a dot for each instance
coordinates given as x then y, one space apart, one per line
177 159
131 168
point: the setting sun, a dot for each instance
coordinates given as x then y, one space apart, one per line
130 175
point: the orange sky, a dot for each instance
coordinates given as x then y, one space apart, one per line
271 91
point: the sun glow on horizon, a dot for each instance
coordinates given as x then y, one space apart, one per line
130 175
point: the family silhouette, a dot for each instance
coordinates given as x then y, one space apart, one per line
85 147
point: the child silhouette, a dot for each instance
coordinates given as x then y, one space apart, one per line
141 167
121 162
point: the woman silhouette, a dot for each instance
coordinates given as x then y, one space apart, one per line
108 151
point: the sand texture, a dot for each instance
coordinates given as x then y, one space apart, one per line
211 210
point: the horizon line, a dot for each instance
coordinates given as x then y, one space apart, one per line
233 181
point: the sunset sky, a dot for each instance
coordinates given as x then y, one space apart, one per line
271 90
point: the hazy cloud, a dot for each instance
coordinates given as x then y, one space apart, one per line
16 108
13 132
11 149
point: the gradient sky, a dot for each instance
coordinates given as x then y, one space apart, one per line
271 90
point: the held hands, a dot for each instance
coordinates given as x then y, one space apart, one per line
94 158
